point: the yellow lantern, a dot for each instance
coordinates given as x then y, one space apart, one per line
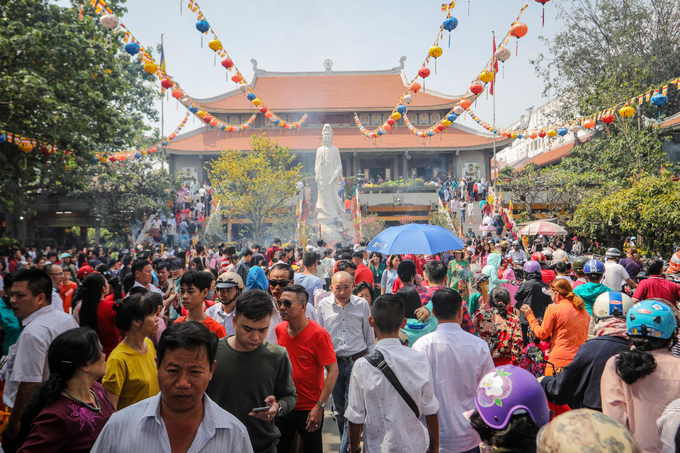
201 113
144 152
514 135
257 102
215 44
552 133
25 147
396 115
436 51
150 67
446 123
627 111
486 76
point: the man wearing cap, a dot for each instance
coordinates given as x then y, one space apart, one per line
229 286
363 273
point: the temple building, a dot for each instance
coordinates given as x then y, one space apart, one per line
334 97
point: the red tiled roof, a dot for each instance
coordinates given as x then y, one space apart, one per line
671 122
309 139
331 92
550 156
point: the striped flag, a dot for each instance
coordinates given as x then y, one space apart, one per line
448 6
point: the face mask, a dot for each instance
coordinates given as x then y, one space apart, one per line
211 294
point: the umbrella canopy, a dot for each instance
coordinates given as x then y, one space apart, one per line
544 228
415 238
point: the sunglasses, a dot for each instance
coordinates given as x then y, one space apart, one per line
287 303
278 282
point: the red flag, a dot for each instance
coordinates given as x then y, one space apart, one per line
495 64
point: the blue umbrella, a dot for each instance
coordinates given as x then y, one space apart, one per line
415 238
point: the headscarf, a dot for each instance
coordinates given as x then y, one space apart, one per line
257 279
611 327
585 430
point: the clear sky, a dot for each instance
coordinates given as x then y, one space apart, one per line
298 35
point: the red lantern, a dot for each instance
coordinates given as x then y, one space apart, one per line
391 122
269 114
542 133
167 83
122 158
263 109
207 119
236 78
533 135
588 124
441 127
519 30
227 63
424 72
465 104
608 119
177 93
113 158
172 136
476 88
387 127
415 87
153 150
214 122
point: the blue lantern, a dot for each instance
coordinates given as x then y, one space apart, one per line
202 26
451 117
93 161
562 131
132 48
193 109
659 99
223 127
3 137
379 133
519 135
449 25
251 96
138 155
165 143
401 109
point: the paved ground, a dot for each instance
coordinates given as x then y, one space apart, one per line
331 435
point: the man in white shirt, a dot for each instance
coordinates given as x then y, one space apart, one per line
56 273
26 369
345 318
229 285
452 352
388 422
143 273
615 275
559 254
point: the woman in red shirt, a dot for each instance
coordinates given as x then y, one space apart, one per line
96 311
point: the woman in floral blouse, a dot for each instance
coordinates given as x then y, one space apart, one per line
499 329
459 274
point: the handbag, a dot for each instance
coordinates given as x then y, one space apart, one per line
378 360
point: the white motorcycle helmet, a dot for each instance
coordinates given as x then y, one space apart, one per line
611 304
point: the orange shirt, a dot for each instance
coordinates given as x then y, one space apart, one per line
348 204
66 294
212 325
567 328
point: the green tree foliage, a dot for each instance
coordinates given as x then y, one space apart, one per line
254 185
650 209
122 195
608 51
68 82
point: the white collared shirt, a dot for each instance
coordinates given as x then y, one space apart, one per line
40 328
389 423
140 427
217 313
348 326
57 303
458 361
150 287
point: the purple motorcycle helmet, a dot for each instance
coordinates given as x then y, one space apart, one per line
532 267
509 390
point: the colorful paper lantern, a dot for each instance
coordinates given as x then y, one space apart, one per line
575 128
215 44
257 102
138 155
202 114
503 54
109 21
608 118
446 122
450 24
167 83
391 121
153 150
150 67
542 133
436 52
172 136
562 131
519 30
214 122
268 114
440 127
486 76
407 99
165 143
396 115
113 158
414 87
627 111
424 72
193 109
263 109
401 109
476 88
132 48
533 134
552 133
513 135
589 124
251 96
237 78
387 127
25 146
207 119
465 104
203 26
177 93
451 117
227 63
659 99
458 110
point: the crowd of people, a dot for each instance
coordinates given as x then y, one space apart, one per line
504 344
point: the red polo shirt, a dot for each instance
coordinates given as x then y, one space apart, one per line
363 274
657 287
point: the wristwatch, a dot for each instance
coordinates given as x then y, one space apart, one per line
321 404
278 414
